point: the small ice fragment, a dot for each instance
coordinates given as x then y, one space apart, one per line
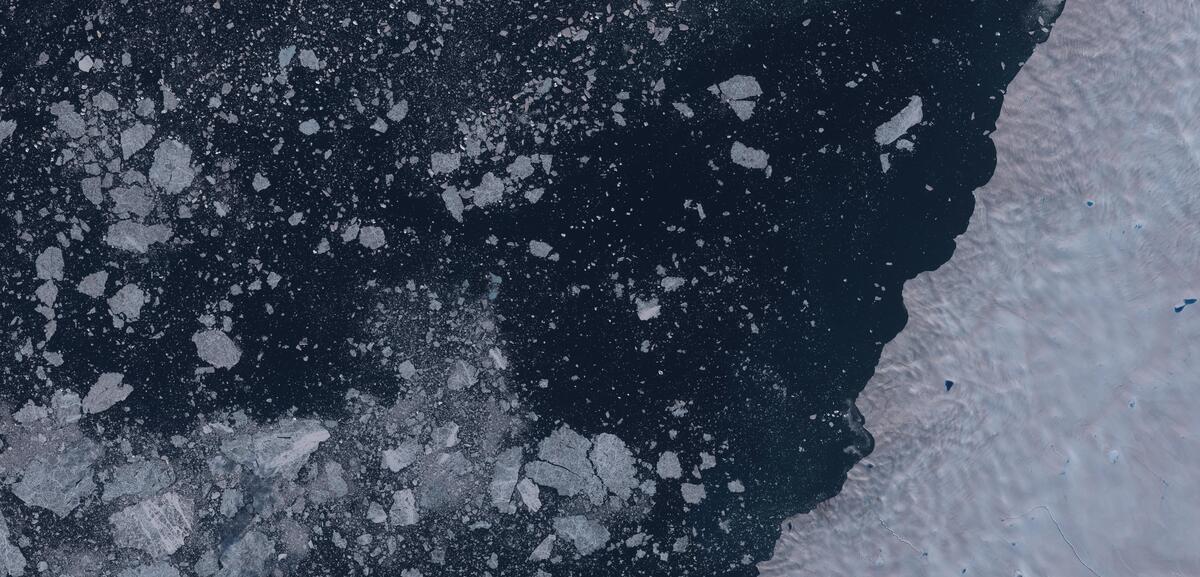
105 101
158 525
260 182
668 466
528 490
309 127
372 237
671 283
404 508
172 170
736 486
453 202
444 162
107 391
49 264
588 536
544 549
135 138
489 191
534 195
126 305
740 87
398 111
285 56
692 493
396 460
86 63
614 464
539 249
504 476
67 119
748 157
12 561
136 237
216 348
909 116
93 284
7 128
308 59
647 309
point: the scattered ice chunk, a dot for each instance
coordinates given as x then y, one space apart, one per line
489 191
534 195
692 493
544 549
588 536
444 162
404 508
152 570
564 466
740 87
909 116
748 157
668 466
126 305
521 167
380 125
398 111
136 237
214 347
446 435
671 283
140 479
67 119
12 561
7 128
60 477
528 490
407 453
157 525
135 138
106 392
743 109
279 450
286 54
49 264
309 60
736 486
463 375
614 464
105 101
372 237
260 182
131 199
91 189
504 476
330 485
539 249
453 202
683 109
86 63
172 170
407 370
647 309
309 127
248 557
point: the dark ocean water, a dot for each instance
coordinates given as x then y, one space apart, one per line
799 272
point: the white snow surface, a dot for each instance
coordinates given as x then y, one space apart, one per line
1067 446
